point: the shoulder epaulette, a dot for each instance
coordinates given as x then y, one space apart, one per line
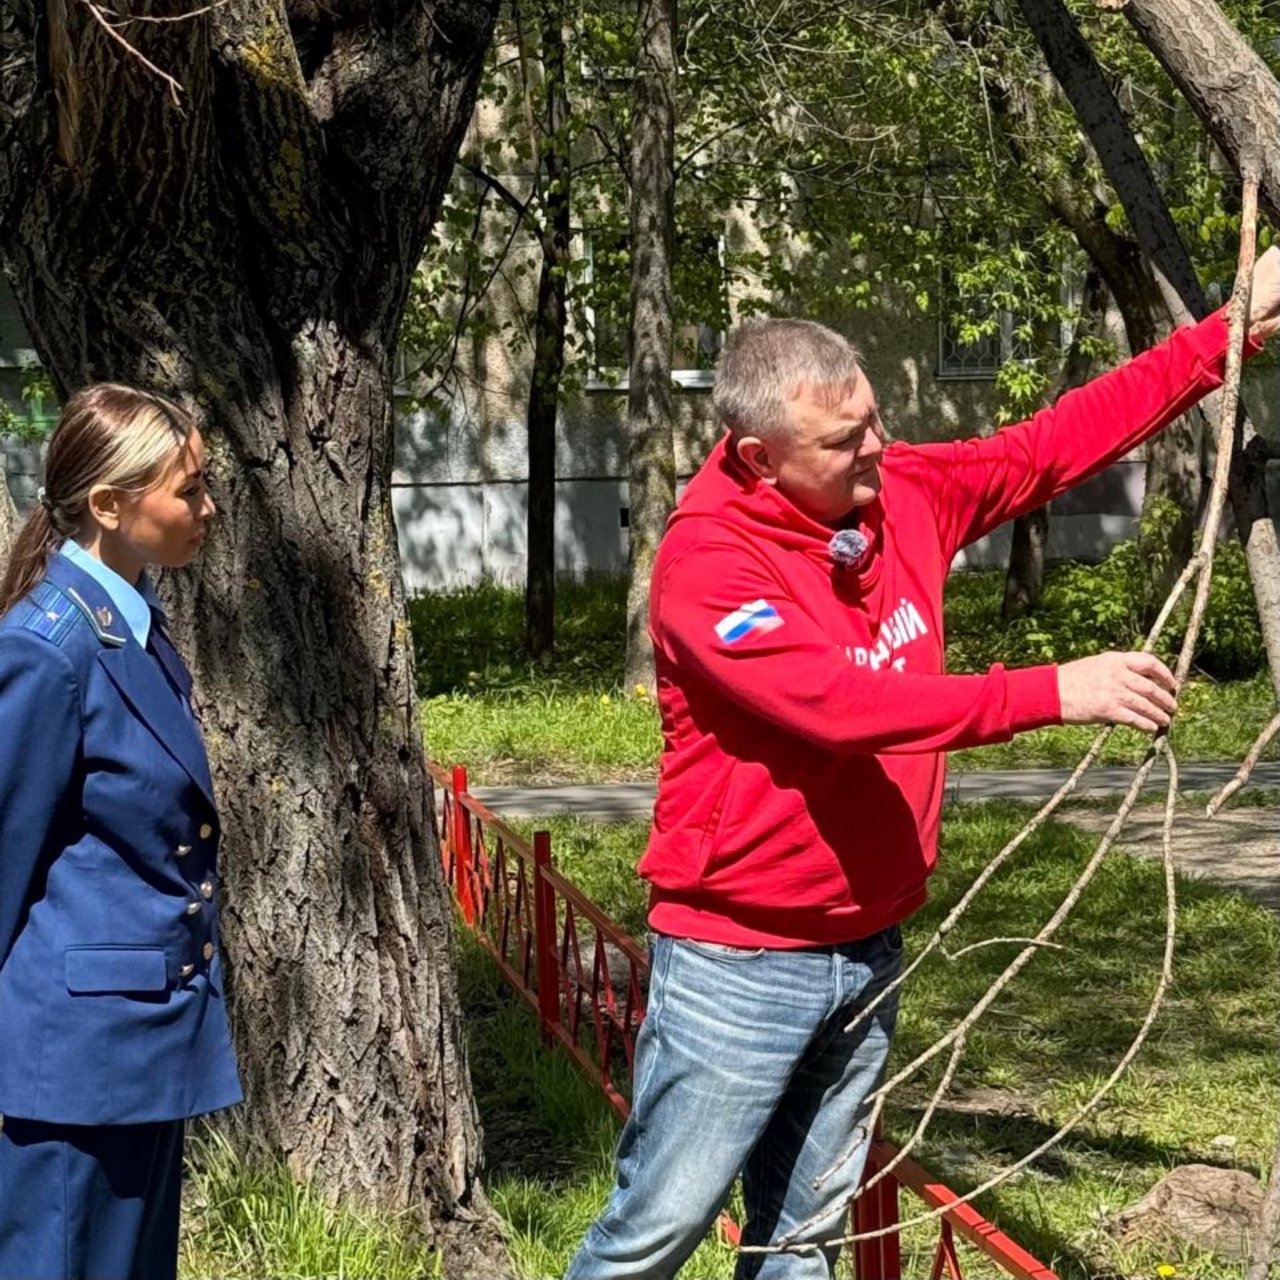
54 614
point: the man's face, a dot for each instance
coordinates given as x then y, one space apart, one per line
828 464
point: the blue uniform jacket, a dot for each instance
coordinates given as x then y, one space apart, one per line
112 1007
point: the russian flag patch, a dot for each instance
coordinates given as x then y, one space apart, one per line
759 615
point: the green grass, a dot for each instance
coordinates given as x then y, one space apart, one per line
511 720
243 1223
472 640
1209 1069
543 736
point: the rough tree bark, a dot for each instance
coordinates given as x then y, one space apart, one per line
554 176
651 473
1239 102
1024 580
1226 82
252 252
8 519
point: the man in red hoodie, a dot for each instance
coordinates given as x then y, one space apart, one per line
796 614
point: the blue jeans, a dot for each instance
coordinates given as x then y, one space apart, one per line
743 1065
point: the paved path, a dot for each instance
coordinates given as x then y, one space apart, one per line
618 801
1238 850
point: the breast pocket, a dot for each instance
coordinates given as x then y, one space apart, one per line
123 970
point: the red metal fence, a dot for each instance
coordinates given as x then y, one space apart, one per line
586 979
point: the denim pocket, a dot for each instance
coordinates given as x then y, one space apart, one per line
722 951
893 939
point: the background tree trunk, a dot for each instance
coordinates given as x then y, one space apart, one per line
651 475
548 346
1173 458
1239 101
8 519
1174 472
252 253
1024 580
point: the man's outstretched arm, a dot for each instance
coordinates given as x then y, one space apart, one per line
981 483
724 620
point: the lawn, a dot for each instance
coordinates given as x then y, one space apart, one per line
1203 1088
512 721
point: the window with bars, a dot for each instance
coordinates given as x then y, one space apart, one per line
980 357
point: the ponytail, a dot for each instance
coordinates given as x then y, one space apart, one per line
37 540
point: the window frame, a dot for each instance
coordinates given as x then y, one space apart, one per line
608 379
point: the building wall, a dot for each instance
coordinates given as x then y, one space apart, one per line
460 480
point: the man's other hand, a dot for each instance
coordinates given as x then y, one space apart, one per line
1136 689
1264 299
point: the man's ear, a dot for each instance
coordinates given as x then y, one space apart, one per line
757 457
104 506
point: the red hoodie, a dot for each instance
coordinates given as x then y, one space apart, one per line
804 710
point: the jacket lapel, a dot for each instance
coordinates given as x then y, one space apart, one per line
137 676
143 686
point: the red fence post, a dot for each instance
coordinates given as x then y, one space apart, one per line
881 1258
462 852
544 935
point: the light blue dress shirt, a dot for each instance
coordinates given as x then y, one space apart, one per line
134 603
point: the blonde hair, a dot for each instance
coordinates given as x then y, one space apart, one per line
108 434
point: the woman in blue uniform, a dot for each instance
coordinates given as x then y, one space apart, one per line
111 986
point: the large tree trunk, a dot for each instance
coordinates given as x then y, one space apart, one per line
1024 580
651 474
1227 83
548 345
1174 471
1239 101
252 253
1071 60
1173 474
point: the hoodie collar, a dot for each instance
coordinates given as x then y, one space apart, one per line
726 490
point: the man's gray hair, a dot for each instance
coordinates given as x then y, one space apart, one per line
765 361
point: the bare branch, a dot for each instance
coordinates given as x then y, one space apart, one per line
100 17
999 942
1242 774
119 19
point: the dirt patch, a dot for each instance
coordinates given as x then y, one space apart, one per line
1239 849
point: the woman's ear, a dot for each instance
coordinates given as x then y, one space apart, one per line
104 507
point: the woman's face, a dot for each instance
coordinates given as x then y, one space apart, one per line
166 525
